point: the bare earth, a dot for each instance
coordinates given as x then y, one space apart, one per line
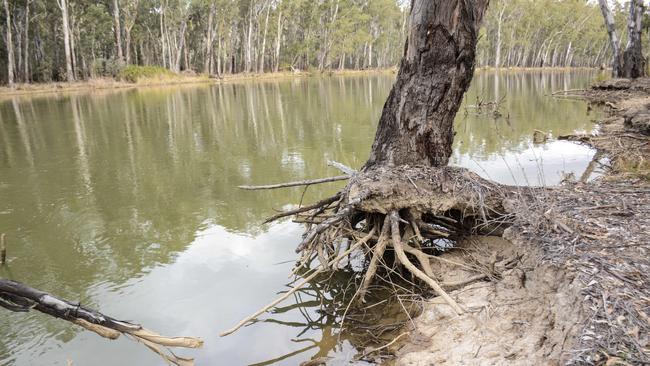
569 282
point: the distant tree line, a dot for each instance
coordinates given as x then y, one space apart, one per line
58 40
546 33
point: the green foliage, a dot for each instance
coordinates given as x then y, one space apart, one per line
134 73
303 34
105 67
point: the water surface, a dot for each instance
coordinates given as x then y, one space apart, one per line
126 201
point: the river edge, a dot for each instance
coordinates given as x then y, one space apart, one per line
107 84
569 284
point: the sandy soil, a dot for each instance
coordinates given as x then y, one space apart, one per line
526 314
569 282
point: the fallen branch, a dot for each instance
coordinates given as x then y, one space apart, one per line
3 249
307 279
18 297
307 182
342 167
366 353
567 91
298 210
311 235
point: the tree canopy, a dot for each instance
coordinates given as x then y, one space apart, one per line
231 36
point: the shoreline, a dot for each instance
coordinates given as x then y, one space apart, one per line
107 84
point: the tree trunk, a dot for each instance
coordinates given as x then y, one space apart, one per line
117 31
633 60
278 39
416 125
26 75
497 57
266 27
613 38
127 45
10 47
63 5
249 40
163 43
207 63
181 45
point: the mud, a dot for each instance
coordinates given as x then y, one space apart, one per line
526 314
568 283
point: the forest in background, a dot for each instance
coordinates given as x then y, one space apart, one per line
79 39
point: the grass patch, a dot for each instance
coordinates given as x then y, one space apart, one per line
636 167
135 73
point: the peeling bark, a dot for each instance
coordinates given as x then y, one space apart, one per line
416 126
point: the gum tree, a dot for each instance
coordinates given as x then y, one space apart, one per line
405 197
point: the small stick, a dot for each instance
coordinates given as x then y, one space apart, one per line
458 284
286 295
296 184
342 167
3 249
366 353
318 204
399 250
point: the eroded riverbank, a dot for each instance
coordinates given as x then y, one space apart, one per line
578 291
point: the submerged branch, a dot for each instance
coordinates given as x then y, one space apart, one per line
342 167
307 182
18 297
298 210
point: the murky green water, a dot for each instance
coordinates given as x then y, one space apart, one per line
126 201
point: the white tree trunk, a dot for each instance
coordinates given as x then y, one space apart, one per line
497 57
26 76
10 47
207 63
266 26
63 5
278 40
613 37
249 40
118 32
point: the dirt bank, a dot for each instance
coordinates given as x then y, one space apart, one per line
570 284
182 79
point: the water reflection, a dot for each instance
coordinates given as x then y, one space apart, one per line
126 201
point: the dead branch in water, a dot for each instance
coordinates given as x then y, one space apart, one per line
3 249
18 297
342 167
394 214
319 204
307 182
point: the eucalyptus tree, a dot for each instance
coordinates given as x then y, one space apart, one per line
69 39
65 21
117 28
630 62
10 46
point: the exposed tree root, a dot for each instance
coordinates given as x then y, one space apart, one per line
400 213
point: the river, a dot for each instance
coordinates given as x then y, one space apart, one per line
127 201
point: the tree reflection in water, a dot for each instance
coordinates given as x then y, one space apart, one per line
327 304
